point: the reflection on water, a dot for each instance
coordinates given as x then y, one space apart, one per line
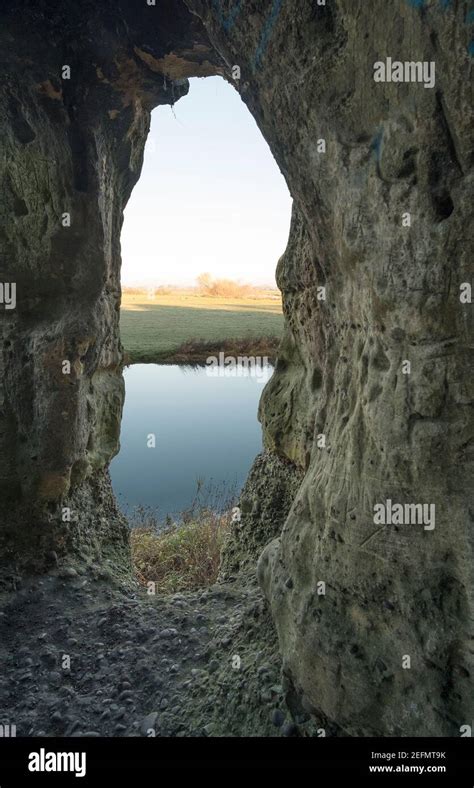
205 427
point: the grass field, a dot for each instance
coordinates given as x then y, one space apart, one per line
153 329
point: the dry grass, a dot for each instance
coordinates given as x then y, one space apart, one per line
197 351
182 557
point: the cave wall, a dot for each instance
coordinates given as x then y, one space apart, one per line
392 294
73 144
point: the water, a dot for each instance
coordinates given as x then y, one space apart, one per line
205 428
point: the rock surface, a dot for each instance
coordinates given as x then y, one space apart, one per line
346 426
82 658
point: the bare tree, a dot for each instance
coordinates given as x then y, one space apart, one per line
204 282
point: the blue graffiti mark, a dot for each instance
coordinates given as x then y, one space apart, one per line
421 3
445 4
376 144
228 21
274 13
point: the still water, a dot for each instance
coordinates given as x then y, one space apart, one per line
205 428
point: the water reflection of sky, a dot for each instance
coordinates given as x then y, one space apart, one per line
206 428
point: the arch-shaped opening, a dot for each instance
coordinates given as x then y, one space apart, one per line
201 314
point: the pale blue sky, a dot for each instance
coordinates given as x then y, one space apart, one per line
210 196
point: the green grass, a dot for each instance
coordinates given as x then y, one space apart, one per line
153 329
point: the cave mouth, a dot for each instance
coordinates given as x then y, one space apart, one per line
211 193
380 172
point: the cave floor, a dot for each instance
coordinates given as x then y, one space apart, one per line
80 657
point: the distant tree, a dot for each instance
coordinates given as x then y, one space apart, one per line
204 281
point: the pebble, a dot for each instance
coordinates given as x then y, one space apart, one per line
148 722
277 718
48 658
67 571
116 676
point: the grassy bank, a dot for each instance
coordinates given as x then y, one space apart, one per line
197 351
187 328
182 556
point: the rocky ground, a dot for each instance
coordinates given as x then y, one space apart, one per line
82 657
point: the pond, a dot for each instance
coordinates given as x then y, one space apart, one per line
205 428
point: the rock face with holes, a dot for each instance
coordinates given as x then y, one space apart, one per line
371 400
80 84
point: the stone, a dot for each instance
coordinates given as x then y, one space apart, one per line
148 723
213 666
289 729
277 718
68 572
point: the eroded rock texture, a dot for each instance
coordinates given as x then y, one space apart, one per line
391 296
73 144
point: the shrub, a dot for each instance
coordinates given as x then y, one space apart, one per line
225 288
182 556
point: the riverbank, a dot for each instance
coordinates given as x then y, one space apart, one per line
197 352
187 329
